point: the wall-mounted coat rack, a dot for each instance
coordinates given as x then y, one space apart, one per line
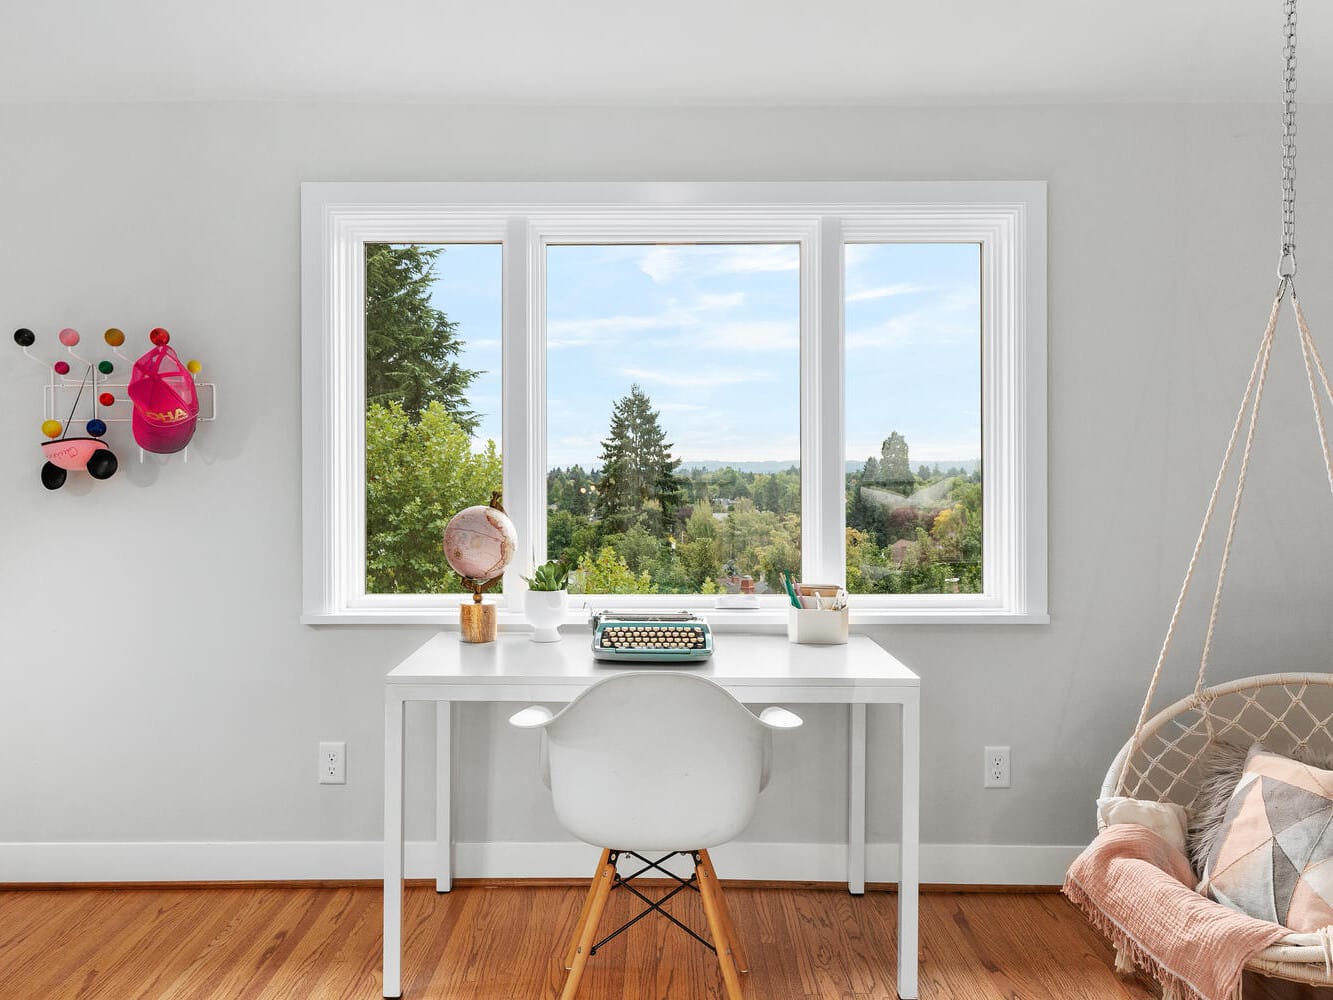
156 394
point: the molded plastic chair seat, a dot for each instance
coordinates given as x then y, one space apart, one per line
656 763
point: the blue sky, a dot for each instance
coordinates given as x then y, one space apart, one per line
710 334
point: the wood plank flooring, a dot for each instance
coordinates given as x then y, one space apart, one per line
504 942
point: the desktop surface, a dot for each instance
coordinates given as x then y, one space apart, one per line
758 666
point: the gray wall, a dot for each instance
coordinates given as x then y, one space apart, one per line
155 684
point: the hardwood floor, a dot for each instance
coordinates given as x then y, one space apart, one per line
506 942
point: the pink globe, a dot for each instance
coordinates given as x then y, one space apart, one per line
479 543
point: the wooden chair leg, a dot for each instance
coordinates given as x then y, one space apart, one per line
601 890
737 951
587 905
713 911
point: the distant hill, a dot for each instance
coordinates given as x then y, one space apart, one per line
967 465
687 467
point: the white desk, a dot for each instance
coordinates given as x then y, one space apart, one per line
756 669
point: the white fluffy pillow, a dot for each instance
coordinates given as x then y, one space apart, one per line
1166 819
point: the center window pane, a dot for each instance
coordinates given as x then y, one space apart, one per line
673 416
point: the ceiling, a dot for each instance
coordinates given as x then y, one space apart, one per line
689 52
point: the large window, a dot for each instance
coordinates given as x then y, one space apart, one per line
697 388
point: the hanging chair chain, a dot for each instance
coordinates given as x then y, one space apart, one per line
1287 266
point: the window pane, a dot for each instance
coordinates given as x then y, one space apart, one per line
913 363
673 416
432 405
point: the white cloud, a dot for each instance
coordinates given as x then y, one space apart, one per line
759 335
605 331
751 258
600 330
694 377
856 254
886 291
664 264
952 318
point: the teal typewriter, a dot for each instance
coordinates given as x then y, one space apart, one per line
645 637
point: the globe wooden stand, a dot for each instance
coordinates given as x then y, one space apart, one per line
476 621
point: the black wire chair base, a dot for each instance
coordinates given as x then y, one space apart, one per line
654 905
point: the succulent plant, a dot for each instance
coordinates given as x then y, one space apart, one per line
548 576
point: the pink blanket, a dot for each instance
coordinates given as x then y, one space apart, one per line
1138 890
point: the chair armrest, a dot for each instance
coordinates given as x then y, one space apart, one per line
532 717
778 718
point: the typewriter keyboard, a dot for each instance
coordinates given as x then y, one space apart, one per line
665 637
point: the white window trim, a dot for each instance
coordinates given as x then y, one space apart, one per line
1007 218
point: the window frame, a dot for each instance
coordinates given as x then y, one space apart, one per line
1007 218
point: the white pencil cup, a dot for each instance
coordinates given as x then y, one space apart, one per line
812 627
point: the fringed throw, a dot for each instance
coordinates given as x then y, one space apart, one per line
1137 889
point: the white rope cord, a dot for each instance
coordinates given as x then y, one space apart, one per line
1265 345
1240 490
1312 360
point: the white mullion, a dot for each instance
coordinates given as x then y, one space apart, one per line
823 480
522 400
351 576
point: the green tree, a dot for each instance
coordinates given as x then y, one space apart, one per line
560 528
639 482
411 347
418 475
639 547
607 573
862 554
700 555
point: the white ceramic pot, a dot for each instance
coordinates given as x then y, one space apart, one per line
545 610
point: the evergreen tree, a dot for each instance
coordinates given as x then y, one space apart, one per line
411 347
894 468
871 473
638 472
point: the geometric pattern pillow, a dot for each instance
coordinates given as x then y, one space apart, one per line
1273 857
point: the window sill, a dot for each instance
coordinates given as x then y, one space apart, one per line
757 621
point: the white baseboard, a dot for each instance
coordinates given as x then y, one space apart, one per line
958 864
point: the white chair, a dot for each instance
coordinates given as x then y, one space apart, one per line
655 764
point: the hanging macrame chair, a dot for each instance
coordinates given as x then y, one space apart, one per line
1166 757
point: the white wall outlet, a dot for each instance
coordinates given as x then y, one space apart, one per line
996 774
333 763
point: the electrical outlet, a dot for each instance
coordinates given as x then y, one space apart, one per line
333 763
996 774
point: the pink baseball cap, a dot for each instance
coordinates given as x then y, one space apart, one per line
166 405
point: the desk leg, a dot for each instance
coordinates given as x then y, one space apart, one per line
393 843
909 848
444 796
856 800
